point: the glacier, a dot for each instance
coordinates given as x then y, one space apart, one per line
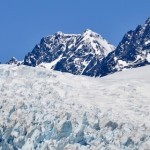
50 110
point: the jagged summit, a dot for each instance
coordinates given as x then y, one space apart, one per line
73 53
147 21
89 32
132 51
14 61
59 33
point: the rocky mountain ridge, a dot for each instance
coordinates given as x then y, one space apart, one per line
133 51
89 53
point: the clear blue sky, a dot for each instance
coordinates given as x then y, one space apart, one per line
24 22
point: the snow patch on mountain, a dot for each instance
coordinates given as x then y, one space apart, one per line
14 61
94 39
50 65
147 42
148 58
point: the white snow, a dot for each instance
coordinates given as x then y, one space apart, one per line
148 58
46 109
108 47
51 64
91 37
122 63
74 35
147 42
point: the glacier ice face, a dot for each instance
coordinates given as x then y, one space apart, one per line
46 109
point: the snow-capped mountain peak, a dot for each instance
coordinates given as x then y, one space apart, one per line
89 53
89 32
14 61
59 33
73 53
147 21
97 42
132 51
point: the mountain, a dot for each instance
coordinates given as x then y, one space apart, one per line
73 53
89 53
47 109
133 51
14 61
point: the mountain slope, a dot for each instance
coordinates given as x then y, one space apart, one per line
133 51
73 53
14 61
90 54
46 109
